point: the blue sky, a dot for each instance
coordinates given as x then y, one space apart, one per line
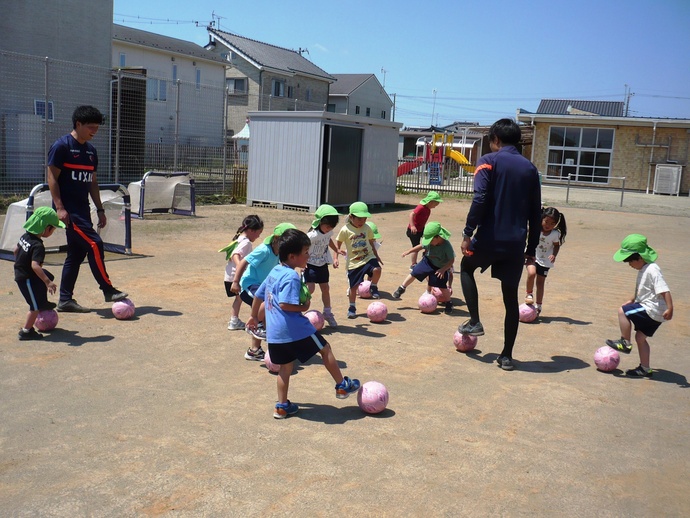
483 59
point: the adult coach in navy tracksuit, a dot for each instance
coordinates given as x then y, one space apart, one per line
72 165
506 203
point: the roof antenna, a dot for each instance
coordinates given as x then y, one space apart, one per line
215 17
302 51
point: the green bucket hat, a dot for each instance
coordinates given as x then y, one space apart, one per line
323 211
635 244
42 218
374 229
432 196
433 229
360 210
278 231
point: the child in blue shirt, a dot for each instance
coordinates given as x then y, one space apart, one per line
251 272
290 335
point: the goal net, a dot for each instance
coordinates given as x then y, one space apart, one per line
163 192
116 235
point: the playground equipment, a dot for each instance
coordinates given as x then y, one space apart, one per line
434 154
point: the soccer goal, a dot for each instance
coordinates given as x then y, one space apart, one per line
163 192
116 235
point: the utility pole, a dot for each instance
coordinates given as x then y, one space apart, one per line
433 109
628 95
383 71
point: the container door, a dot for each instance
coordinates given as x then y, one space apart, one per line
342 165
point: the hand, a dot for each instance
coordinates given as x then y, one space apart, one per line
336 263
63 216
668 314
235 287
306 305
413 229
439 274
530 260
552 258
405 254
251 323
465 246
52 287
102 220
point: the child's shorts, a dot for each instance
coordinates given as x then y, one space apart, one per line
301 350
357 275
316 274
35 292
542 271
247 295
228 284
424 269
415 239
639 317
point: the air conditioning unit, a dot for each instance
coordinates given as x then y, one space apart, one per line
667 179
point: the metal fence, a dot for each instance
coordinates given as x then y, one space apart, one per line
448 177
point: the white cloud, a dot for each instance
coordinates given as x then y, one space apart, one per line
320 47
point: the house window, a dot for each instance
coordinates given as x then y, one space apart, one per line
330 108
156 89
278 88
307 95
122 59
368 112
290 92
383 114
40 109
174 74
356 110
236 86
198 78
583 153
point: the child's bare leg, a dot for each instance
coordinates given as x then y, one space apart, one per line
531 274
236 305
352 296
643 348
375 275
311 286
625 325
541 281
331 364
30 319
408 280
284 381
325 294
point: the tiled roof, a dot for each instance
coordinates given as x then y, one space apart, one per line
347 83
271 56
157 41
560 107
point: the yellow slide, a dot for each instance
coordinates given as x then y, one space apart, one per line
460 159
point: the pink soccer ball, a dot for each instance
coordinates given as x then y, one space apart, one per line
438 293
606 358
272 367
528 313
123 309
464 343
316 318
372 397
364 290
427 303
377 311
46 320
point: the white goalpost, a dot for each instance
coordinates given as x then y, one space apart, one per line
163 192
116 235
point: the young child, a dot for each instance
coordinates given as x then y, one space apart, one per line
436 263
363 259
325 220
251 272
418 218
241 245
290 334
648 308
33 281
553 231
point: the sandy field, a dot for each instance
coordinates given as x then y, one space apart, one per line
163 416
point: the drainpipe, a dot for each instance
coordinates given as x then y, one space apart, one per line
534 139
651 157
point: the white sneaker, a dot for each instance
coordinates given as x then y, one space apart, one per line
529 299
237 325
330 318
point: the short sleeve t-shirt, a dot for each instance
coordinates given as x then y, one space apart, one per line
440 255
545 247
243 248
420 216
357 243
260 263
319 253
650 286
283 286
29 248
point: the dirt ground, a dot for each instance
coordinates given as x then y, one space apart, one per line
162 415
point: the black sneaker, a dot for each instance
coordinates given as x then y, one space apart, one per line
398 293
71 306
449 308
505 363
114 295
471 329
374 290
48 306
639 372
620 345
31 334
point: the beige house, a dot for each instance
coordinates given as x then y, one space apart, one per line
592 143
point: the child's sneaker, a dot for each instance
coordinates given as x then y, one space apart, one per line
352 312
398 293
330 318
236 325
529 299
284 410
257 356
639 372
346 387
374 290
471 329
449 308
620 345
259 332
31 334
505 363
